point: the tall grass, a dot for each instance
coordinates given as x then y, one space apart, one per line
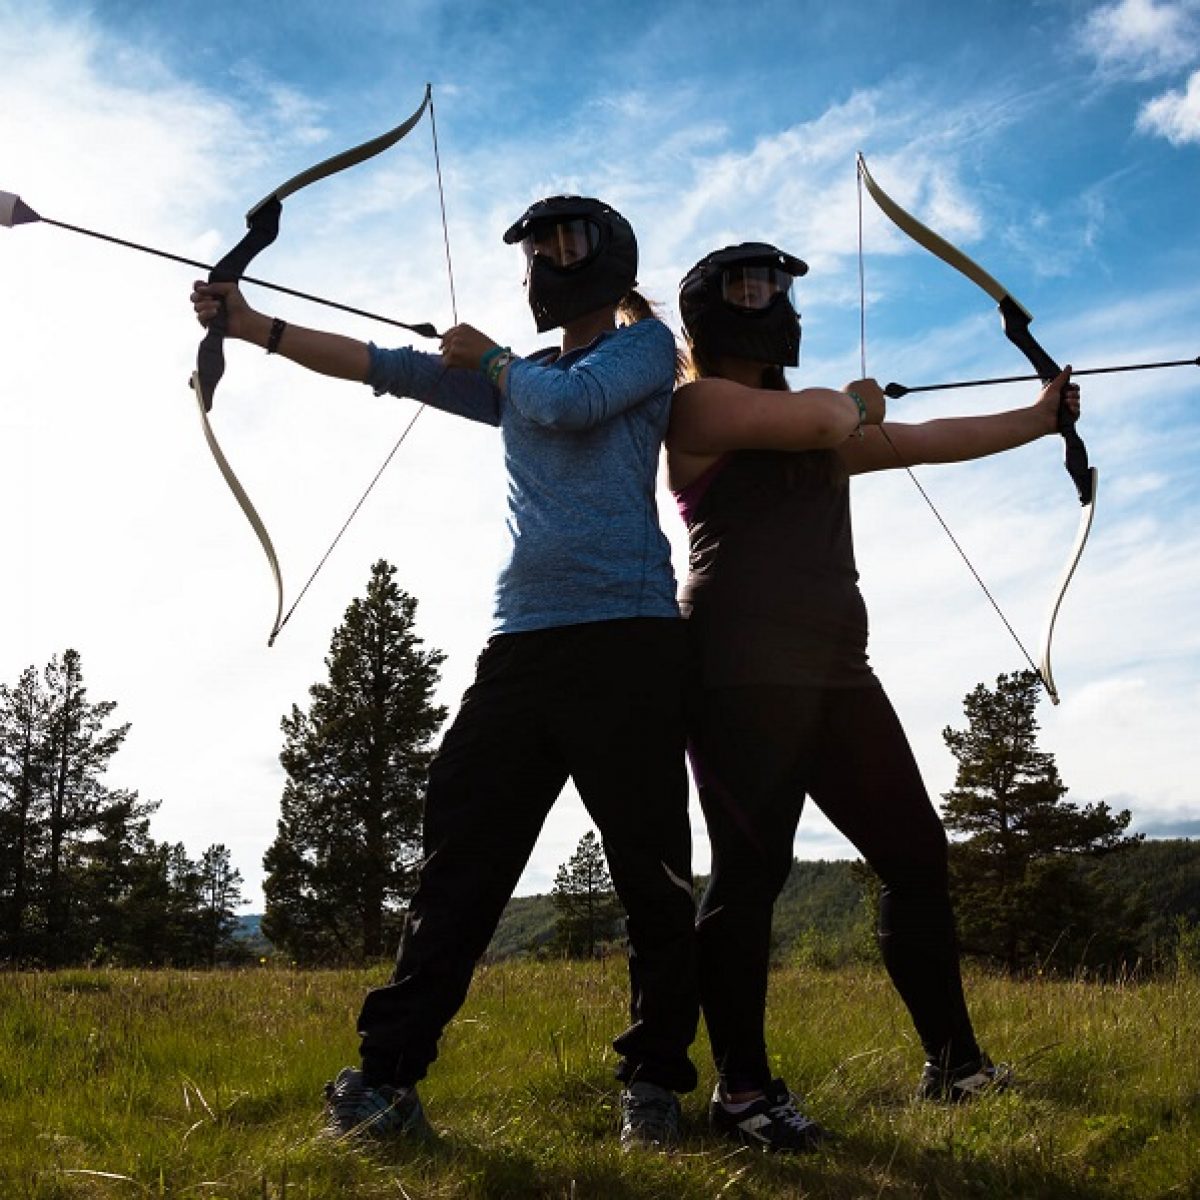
132 1084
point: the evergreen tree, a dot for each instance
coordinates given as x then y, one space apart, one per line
109 866
348 842
24 771
1022 891
55 747
587 907
220 897
79 749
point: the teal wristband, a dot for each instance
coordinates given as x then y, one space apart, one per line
495 368
862 410
485 360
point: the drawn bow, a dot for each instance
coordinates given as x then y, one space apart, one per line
1015 319
263 228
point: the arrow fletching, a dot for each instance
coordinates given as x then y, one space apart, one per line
14 211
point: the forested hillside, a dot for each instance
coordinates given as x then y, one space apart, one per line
828 899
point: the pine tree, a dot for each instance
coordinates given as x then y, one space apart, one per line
110 863
348 842
1022 889
55 747
80 748
588 908
24 771
220 897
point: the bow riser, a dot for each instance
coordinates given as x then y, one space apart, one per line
1015 320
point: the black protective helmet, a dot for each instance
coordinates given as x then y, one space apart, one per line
736 301
582 256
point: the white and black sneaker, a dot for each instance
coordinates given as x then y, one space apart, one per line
956 1085
773 1122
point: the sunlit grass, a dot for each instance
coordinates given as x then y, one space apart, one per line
133 1084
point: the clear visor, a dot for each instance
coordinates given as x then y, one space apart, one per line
753 289
566 244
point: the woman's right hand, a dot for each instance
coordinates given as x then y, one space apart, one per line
207 300
871 394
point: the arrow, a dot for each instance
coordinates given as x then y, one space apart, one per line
14 211
896 390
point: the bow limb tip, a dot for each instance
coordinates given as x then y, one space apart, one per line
197 387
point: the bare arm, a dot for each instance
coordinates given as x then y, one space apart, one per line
960 439
711 417
327 353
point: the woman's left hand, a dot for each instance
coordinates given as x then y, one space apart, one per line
464 346
1059 389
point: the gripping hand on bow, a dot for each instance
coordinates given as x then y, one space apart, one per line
209 298
871 394
1060 390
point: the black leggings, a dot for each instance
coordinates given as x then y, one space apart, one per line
756 752
601 704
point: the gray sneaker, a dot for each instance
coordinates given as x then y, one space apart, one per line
649 1117
353 1109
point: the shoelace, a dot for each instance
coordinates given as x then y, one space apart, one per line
788 1114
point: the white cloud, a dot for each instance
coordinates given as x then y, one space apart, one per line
1143 39
1174 115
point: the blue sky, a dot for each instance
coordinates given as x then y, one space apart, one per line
1058 143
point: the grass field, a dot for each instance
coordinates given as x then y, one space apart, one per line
130 1084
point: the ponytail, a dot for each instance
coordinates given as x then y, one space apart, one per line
634 307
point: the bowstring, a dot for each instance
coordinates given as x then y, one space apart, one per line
862 355
421 406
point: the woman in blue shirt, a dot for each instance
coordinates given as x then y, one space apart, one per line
582 678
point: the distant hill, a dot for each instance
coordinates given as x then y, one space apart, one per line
1165 875
248 935
828 898
824 896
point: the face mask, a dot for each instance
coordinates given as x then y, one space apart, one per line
738 302
582 256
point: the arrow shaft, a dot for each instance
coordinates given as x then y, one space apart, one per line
896 390
423 329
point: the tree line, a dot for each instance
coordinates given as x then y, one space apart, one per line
82 880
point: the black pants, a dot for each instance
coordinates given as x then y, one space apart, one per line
756 752
601 704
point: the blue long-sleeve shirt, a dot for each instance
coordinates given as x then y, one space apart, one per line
581 435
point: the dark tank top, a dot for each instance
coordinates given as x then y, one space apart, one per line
772 590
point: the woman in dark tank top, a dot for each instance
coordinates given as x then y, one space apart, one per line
783 701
